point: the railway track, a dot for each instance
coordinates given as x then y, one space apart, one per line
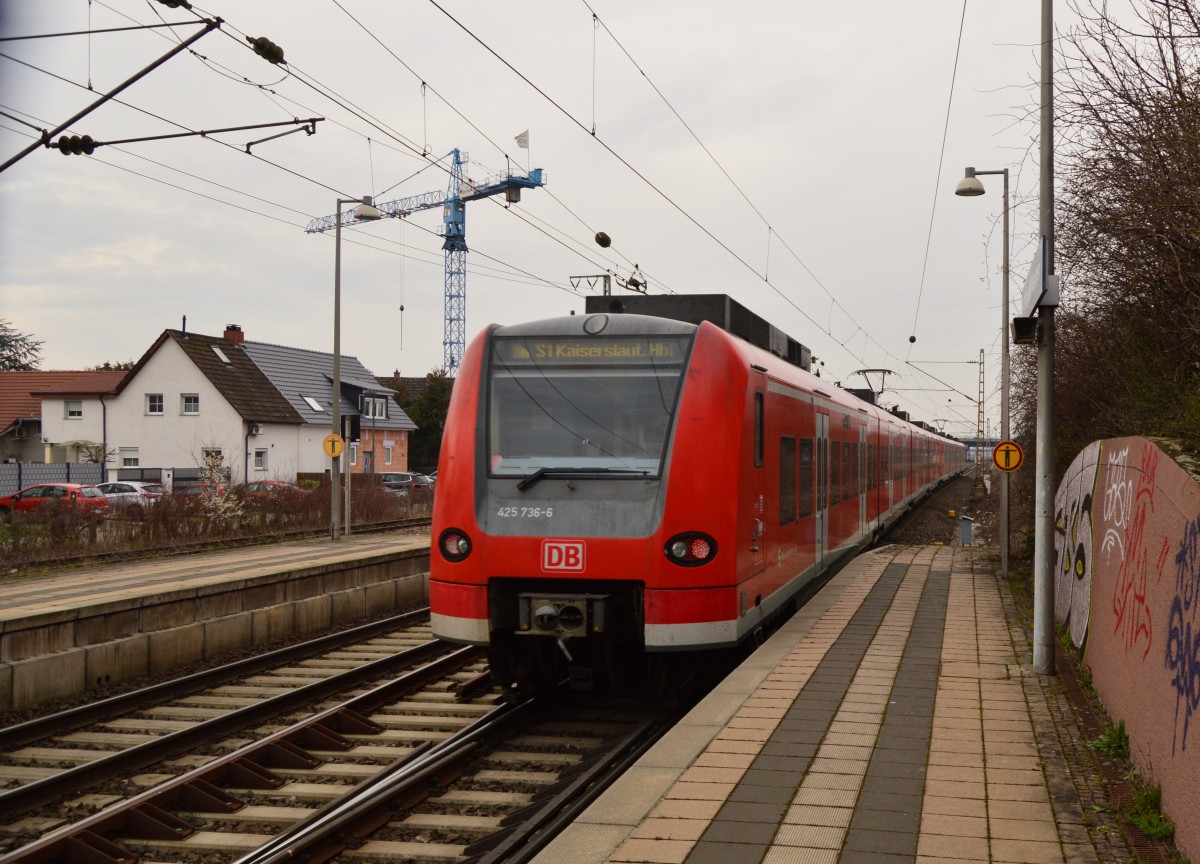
226 543
429 765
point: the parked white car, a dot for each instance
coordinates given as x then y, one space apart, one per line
131 497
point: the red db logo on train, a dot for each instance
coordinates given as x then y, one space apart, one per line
563 556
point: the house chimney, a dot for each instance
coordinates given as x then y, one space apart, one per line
234 334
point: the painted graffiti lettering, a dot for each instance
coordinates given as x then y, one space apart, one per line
1073 547
1118 499
1130 610
1183 635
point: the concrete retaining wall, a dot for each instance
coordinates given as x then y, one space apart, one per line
1127 585
63 655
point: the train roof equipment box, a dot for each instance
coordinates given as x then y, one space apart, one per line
719 309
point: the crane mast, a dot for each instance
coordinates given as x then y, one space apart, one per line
454 231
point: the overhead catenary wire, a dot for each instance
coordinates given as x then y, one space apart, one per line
850 342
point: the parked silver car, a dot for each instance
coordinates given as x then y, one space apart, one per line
131 498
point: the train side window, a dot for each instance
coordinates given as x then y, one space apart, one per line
835 472
787 480
806 477
758 428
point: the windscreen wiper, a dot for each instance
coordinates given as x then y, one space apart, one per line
537 475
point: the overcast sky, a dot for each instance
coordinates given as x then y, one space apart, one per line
800 156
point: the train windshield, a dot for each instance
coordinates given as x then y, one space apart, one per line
565 405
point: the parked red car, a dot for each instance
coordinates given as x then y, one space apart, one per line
82 498
260 492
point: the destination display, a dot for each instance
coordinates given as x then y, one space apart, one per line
515 352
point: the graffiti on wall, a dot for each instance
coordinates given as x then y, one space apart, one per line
1073 543
1128 501
1183 634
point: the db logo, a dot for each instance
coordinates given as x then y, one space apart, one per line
563 556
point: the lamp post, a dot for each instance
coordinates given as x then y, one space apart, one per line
971 186
364 211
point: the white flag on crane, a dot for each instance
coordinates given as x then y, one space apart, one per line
523 140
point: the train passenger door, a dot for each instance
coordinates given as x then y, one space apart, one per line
821 524
862 479
890 479
758 542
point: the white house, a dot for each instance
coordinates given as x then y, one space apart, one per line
53 416
191 395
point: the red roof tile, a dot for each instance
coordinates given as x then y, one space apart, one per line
21 393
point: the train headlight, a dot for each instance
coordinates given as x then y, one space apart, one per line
691 549
454 544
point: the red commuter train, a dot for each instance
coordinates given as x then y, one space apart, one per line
620 489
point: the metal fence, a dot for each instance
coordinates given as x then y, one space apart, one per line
15 476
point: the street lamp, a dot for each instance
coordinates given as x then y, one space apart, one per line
970 186
364 211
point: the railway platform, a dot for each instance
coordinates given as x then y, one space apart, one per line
65 632
895 718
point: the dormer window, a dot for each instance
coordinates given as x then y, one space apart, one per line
374 407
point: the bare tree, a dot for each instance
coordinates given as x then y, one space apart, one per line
1127 228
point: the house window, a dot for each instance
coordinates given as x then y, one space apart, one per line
189 403
374 407
221 354
212 455
387 454
154 403
353 454
74 409
129 457
260 460
312 403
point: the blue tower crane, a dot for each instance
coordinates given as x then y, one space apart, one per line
454 229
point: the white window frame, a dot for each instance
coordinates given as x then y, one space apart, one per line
151 398
129 457
353 453
312 403
183 404
260 459
387 454
374 407
75 413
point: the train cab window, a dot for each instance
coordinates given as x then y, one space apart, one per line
597 404
835 472
787 480
758 428
806 477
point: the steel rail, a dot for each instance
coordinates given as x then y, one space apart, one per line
72 718
127 555
371 804
146 813
52 788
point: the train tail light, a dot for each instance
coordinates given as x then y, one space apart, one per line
691 549
454 544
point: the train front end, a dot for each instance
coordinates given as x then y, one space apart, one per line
549 526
